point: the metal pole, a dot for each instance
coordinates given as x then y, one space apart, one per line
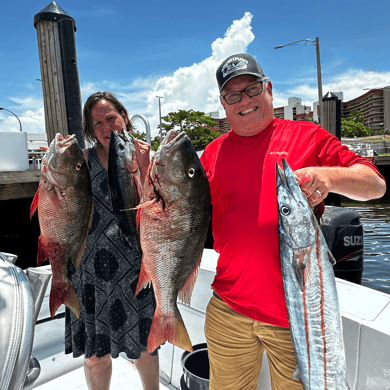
317 43
159 106
20 123
146 123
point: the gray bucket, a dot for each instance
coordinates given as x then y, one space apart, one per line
196 369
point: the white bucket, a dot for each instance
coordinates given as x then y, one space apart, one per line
13 151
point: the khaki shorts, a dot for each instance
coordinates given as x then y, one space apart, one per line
236 345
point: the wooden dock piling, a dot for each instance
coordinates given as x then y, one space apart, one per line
59 72
52 79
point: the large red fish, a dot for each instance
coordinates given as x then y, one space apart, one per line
65 210
174 218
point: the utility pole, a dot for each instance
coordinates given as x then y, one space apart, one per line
159 106
319 78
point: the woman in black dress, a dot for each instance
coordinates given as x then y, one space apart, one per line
111 319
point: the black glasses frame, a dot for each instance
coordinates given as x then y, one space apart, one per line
244 90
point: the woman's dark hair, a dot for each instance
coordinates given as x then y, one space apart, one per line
88 131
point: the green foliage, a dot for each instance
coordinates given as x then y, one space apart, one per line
356 116
156 142
141 136
352 128
196 124
311 120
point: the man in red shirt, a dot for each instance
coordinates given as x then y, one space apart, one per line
247 313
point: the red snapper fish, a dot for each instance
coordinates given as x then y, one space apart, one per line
174 218
65 209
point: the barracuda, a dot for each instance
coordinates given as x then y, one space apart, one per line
124 181
310 290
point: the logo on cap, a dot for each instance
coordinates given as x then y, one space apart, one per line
234 64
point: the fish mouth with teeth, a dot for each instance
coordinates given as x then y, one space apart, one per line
253 109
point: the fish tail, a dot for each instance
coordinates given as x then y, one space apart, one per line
168 328
63 293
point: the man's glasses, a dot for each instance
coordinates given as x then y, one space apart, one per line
251 90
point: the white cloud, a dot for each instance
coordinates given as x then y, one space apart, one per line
33 121
27 103
352 83
195 87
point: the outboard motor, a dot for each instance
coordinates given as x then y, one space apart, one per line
343 233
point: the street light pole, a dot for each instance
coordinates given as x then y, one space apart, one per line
20 123
319 78
159 106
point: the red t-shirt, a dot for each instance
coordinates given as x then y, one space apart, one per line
242 176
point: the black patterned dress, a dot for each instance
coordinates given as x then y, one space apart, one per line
111 319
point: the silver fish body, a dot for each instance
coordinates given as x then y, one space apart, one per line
310 290
124 181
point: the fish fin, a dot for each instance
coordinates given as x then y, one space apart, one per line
138 219
297 373
43 253
146 204
185 291
63 293
34 204
168 328
331 258
144 280
299 267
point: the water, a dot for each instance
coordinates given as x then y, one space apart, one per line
376 226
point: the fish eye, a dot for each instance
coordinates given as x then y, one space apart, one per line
191 172
285 210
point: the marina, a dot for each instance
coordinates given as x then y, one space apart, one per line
38 349
365 309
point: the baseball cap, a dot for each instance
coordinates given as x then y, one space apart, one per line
237 65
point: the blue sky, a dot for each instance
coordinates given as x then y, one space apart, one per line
138 50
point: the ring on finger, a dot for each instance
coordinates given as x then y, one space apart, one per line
319 193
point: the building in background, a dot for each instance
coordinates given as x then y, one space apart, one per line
295 110
221 124
375 107
316 110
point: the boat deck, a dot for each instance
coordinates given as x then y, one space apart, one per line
366 329
124 375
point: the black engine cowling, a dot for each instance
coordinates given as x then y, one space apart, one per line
343 233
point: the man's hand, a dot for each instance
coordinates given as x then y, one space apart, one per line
314 184
358 182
